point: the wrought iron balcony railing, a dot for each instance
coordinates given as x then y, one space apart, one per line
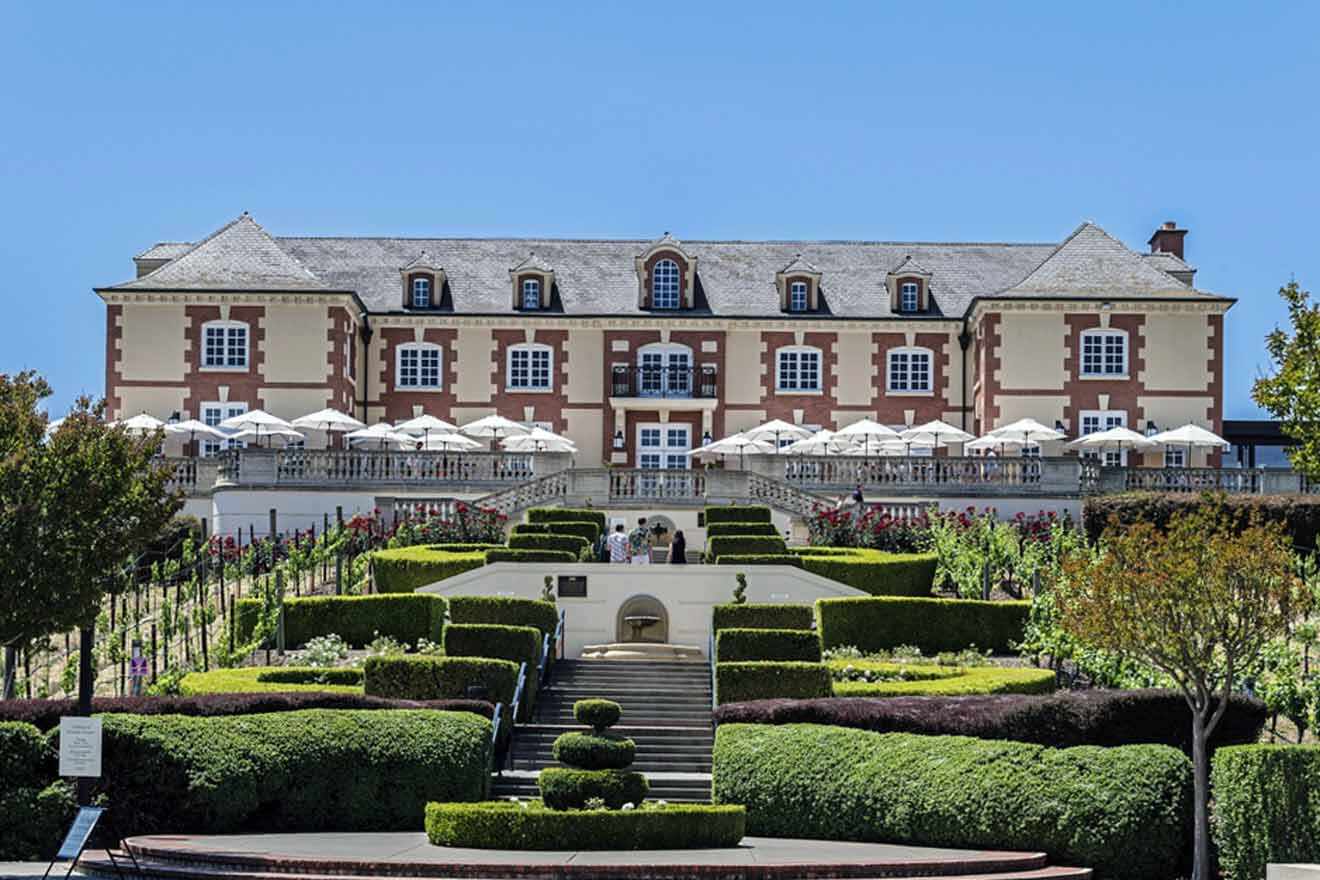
680 382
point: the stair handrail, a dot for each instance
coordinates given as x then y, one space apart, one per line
495 756
710 653
551 649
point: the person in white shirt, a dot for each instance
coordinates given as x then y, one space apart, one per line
618 544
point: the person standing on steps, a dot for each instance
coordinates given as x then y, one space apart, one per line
618 544
678 549
639 544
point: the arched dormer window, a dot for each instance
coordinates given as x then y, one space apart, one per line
224 345
910 370
1104 353
797 296
530 367
666 287
532 280
531 293
799 286
417 367
421 291
909 287
423 283
666 276
664 369
798 370
909 296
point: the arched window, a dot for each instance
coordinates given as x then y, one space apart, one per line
530 367
531 293
797 296
1104 354
798 368
224 345
665 285
910 371
417 366
909 296
421 292
664 370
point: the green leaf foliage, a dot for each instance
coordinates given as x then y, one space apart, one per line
1292 392
356 619
411 677
933 625
760 559
520 555
594 751
739 682
567 514
736 529
1122 811
531 529
585 529
271 679
35 807
404 569
1300 514
600 715
745 545
735 644
764 615
873 571
943 681
506 610
733 513
1265 807
531 826
521 644
578 547
566 788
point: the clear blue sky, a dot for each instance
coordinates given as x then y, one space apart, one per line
125 123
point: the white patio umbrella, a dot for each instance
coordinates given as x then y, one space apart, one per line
193 427
990 442
539 440
1191 437
382 433
776 429
258 421
141 423
1116 438
823 442
865 431
494 427
734 444
450 443
1028 431
271 433
936 433
424 425
328 420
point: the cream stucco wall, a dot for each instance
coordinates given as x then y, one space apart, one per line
584 373
1177 353
954 358
854 369
742 367
290 403
473 349
153 344
295 344
586 428
736 420
159 402
1174 412
1032 353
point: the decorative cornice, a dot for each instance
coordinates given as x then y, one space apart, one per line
1096 305
225 297
644 322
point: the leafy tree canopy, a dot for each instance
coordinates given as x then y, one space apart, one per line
1292 393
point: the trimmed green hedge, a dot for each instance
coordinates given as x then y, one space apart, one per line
567 514
531 529
355 619
35 806
765 615
760 559
519 555
1123 811
404 569
311 770
944 681
874 571
933 625
504 610
579 547
735 529
594 751
271 679
585 529
739 682
733 513
567 788
1265 807
744 545
1299 514
411 677
737 644
597 713
524 826
520 644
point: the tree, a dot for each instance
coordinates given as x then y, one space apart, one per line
1198 601
1292 393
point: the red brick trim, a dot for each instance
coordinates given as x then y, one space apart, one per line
113 378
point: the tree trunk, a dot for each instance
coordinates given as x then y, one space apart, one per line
11 671
86 684
1201 868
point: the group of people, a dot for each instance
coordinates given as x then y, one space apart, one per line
635 547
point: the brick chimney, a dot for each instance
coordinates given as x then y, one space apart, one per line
1168 239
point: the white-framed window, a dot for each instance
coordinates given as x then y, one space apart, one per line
1104 353
1093 420
663 447
909 296
664 370
418 366
225 345
1175 457
421 292
910 371
798 368
213 414
530 367
531 293
665 285
797 296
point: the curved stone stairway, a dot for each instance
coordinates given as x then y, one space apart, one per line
666 711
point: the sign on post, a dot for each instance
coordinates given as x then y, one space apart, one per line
80 746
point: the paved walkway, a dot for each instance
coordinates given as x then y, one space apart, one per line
29 870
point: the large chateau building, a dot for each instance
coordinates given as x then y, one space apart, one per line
637 350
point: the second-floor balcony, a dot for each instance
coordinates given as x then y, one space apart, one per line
665 382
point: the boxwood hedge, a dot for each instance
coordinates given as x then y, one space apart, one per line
1123 811
356 619
578 547
735 644
760 559
1265 807
744 545
933 625
312 770
944 681
733 513
736 682
412 677
271 679
404 569
505 610
725 529
594 751
1300 514
568 788
567 514
873 571
585 529
531 826
765 615
509 554
521 644
35 806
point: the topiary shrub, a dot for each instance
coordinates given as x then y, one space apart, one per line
873 571
314 770
736 682
404 569
734 529
760 559
520 644
733 513
762 616
567 514
594 751
35 805
1123 811
505 610
585 529
532 529
933 625
567 788
1265 807
733 645
355 619
578 547
271 679
531 826
411 677
598 714
517 555
745 545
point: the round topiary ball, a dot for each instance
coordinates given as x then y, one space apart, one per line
565 788
595 751
599 714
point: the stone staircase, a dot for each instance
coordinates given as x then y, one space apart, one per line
666 711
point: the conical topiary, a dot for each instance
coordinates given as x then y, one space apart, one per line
594 762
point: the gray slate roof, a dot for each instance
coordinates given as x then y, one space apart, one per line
598 277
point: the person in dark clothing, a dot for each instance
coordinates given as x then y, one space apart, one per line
678 549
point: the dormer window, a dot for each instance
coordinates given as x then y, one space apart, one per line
421 292
799 286
909 296
666 276
909 286
531 293
533 280
665 285
423 283
797 296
